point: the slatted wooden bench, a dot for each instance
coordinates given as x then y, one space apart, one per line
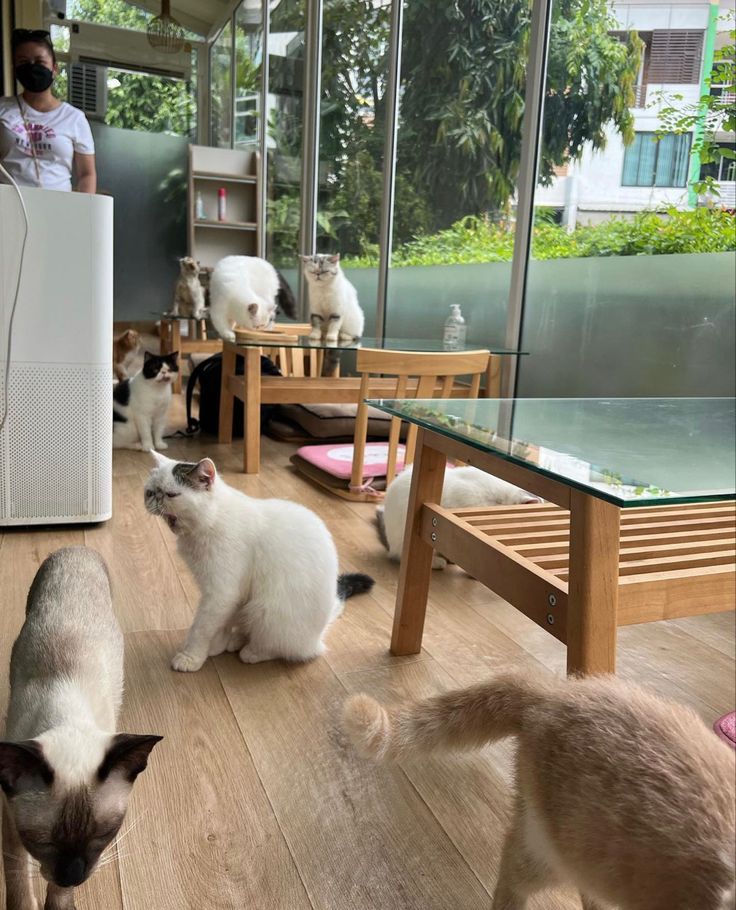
674 561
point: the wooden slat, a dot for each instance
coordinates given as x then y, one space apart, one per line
527 586
413 363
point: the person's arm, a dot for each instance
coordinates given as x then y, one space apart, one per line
84 166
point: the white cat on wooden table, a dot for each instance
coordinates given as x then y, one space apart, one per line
249 292
140 404
334 310
267 569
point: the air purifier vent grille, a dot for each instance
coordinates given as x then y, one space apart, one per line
58 441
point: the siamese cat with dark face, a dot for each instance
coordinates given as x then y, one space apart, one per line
65 773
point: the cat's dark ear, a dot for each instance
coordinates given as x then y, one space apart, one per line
147 355
23 766
334 259
253 309
173 359
127 756
305 258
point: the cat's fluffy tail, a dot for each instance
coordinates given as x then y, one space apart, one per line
285 297
464 719
352 583
381 527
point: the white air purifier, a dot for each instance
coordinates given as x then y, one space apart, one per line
56 445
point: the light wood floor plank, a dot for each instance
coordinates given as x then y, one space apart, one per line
206 835
469 794
361 837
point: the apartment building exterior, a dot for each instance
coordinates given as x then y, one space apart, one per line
680 39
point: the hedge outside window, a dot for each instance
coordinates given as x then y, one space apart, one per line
652 162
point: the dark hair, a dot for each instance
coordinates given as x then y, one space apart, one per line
32 36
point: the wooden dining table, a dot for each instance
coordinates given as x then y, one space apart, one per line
309 387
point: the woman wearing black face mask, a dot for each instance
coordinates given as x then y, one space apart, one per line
43 141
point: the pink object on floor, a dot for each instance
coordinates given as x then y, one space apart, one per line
725 727
337 459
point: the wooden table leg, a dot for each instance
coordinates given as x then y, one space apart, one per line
416 557
592 602
493 377
227 399
252 428
175 343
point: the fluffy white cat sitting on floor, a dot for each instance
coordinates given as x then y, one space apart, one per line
247 291
140 404
266 568
463 487
334 310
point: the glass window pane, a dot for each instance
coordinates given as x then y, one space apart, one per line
285 119
248 58
632 293
221 97
462 100
354 73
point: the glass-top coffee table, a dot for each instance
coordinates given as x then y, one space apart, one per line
638 521
301 361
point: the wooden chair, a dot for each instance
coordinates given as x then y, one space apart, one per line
291 361
418 375
194 342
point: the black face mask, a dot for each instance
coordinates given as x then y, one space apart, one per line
35 77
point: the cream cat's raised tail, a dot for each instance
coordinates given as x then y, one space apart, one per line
65 773
623 795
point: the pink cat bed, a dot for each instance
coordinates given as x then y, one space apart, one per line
332 466
725 727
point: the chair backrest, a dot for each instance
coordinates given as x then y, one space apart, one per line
418 375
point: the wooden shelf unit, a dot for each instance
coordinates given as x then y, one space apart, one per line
238 172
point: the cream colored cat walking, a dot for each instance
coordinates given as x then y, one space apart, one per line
627 797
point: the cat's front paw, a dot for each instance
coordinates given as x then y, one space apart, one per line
160 445
186 663
439 562
229 336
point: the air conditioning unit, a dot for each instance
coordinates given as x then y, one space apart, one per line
56 445
88 89
125 49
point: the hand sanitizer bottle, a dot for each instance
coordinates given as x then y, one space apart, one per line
199 212
453 338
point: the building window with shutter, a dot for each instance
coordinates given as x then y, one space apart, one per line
649 161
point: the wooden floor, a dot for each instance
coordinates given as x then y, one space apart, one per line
254 799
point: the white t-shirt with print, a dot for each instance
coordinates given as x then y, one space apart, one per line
56 135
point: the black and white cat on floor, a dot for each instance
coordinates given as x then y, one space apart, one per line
140 404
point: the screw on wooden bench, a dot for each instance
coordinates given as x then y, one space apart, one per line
434 536
552 600
550 619
434 522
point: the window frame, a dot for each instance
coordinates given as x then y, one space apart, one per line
657 143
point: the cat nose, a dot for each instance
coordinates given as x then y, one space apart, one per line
71 872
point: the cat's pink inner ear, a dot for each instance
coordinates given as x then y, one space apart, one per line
206 472
335 258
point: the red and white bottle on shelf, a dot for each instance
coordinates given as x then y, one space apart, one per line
222 204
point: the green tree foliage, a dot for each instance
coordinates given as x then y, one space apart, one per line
462 102
475 240
463 77
139 102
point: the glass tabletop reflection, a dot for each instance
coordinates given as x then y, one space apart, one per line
629 451
413 345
